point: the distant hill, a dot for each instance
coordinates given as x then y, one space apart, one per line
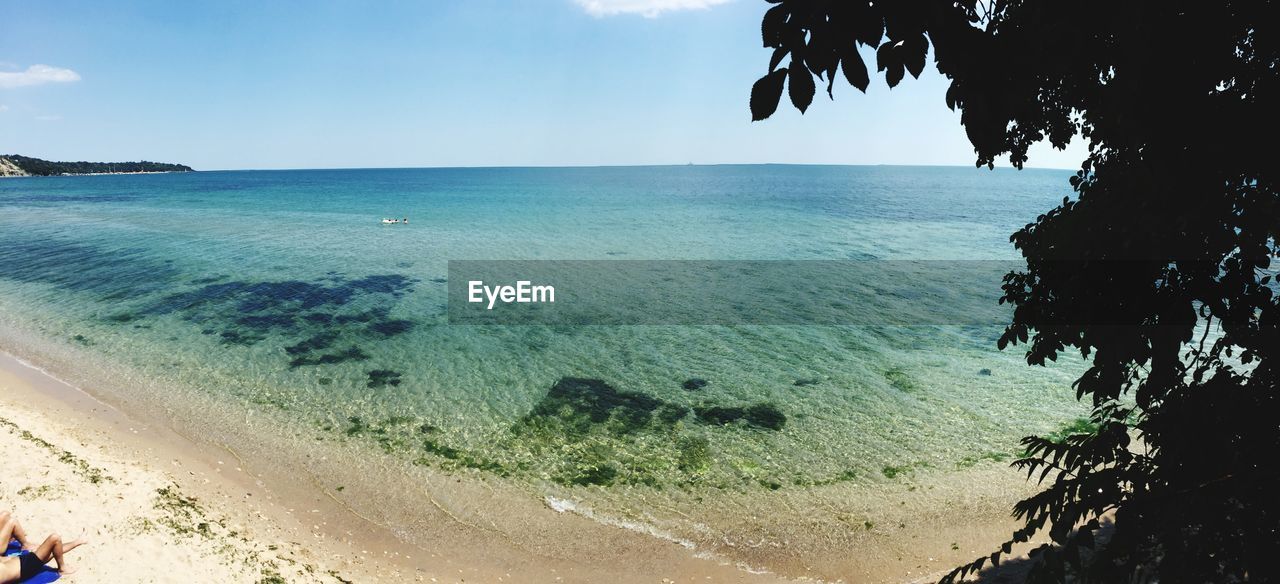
15 165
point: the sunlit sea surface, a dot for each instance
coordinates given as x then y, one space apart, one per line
281 291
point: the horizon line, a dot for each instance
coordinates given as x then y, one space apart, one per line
669 165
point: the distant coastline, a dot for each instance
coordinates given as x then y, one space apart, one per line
16 165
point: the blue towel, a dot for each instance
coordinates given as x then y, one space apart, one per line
44 576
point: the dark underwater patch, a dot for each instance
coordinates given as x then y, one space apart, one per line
349 354
383 378
668 414
317 342
103 272
237 312
577 405
317 312
268 322
239 338
580 429
694 384
293 296
391 328
762 415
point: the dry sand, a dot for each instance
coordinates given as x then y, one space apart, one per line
61 475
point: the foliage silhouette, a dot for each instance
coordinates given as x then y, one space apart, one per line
38 167
1158 272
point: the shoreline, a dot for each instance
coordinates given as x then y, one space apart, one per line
445 538
360 549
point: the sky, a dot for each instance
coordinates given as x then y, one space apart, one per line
347 84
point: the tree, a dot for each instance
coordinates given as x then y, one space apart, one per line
1158 272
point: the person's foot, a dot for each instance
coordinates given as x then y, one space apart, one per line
67 571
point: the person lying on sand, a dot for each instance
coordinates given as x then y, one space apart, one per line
10 530
29 563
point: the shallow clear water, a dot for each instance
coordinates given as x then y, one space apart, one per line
282 290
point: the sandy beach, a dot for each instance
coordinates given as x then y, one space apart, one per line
161 507
152 511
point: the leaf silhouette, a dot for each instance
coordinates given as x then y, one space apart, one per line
800 85
887 60
776 59
914 52
855 70
765 94
771 27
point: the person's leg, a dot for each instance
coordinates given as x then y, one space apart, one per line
11 529
6 527
53 548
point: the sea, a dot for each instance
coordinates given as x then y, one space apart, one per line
282 293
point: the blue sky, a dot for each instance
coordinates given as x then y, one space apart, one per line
436 83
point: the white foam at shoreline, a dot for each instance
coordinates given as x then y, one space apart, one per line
560 505
50 375
566 506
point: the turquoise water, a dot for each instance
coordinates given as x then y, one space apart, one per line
281 290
